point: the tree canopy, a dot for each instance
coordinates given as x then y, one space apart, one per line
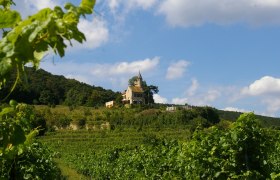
45 88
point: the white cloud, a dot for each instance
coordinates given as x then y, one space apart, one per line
145 4
261 96
198 12
81 78
28 7
234 109
194 95
159 99
125 67
113 4
177 70
205 97
128 5
114 76
194 86
41 4
273 105
264 86
181 101
120 9
96 32
267 91
212 95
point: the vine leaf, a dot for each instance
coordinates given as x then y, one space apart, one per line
87 5
18 136
9 18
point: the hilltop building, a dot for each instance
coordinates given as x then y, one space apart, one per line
171 108
134 93
176 107
110 104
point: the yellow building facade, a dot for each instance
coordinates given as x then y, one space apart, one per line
134 94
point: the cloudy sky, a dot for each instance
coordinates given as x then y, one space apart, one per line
222 53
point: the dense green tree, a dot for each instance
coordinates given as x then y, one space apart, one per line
131 81
119 98
209 113
46 97
53 89
96 98
77 96
149 93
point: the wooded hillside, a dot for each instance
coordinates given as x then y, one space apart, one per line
41 87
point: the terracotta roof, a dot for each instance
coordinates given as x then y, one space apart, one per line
136 89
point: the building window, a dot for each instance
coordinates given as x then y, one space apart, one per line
138 95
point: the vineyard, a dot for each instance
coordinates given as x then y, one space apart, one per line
68 141
241 150
142 143
77 148
149 143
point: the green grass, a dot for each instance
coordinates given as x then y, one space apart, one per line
69 173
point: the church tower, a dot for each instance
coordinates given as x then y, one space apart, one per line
139 80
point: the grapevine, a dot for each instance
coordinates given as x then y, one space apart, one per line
28 41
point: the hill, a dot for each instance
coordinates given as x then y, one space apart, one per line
265 120
42 87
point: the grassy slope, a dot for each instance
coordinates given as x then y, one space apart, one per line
68 172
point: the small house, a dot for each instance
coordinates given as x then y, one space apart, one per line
171 108
110 104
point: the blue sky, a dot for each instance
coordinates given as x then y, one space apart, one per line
222 53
